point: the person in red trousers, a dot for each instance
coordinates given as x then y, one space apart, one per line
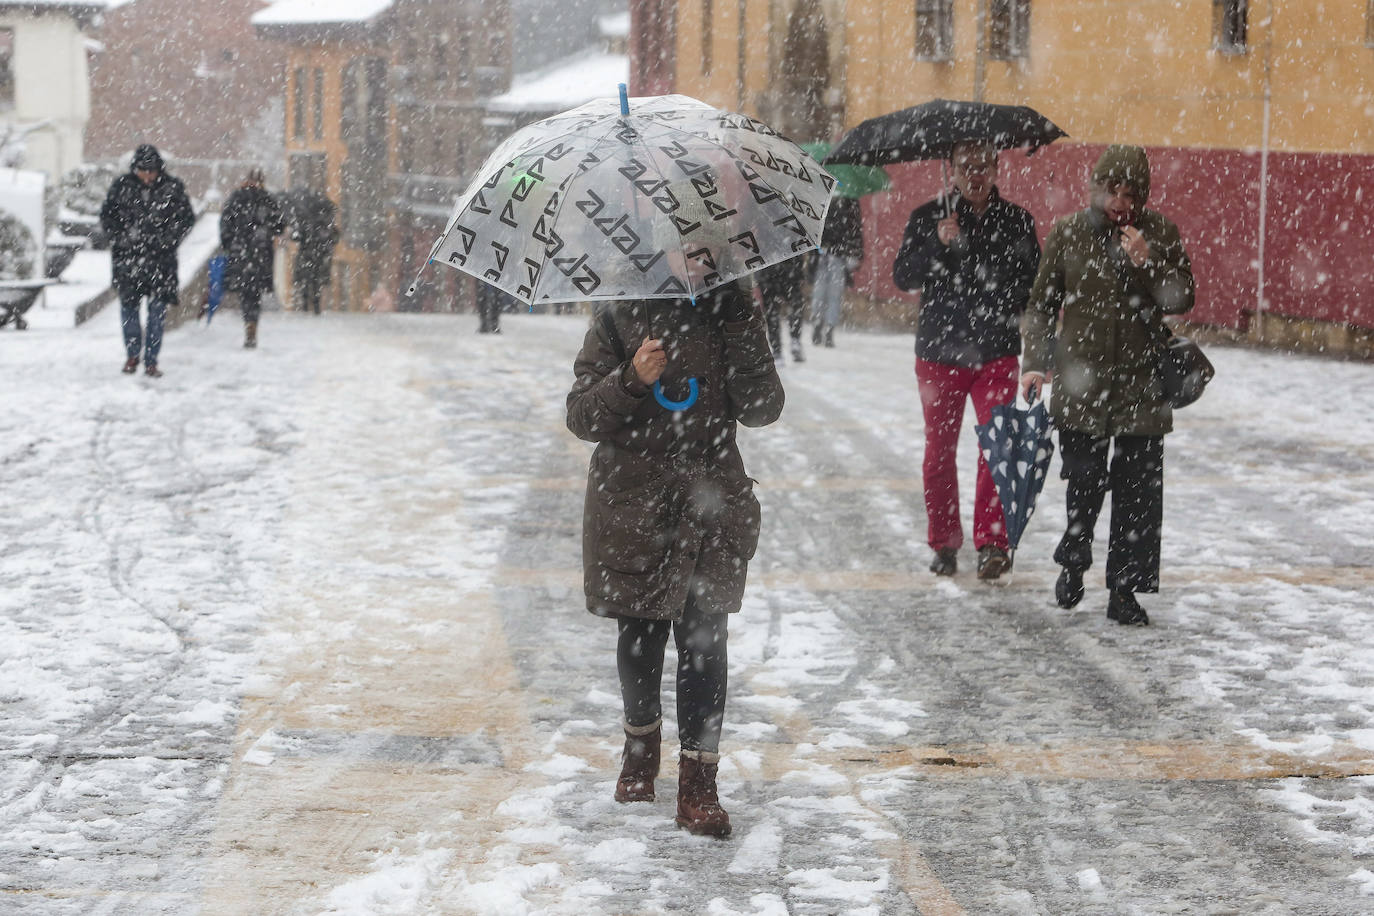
973 256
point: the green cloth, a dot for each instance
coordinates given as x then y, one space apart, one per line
854 181
1124 165
1083 321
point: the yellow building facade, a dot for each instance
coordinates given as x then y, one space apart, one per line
1259 110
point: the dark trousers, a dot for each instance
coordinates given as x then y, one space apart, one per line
1136 478
774 301
250 303
701 674
134 338
489 310
308 289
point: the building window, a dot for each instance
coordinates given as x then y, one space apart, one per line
441 58
463 65
934 29
707 40
1009 29
6 69
298 103
317 106
307 170
1228 25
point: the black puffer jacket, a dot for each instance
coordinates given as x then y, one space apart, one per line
145 223
973 291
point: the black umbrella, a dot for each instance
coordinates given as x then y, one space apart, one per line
931 130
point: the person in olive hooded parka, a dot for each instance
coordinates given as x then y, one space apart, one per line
146 214
1108 275
248 228
671 520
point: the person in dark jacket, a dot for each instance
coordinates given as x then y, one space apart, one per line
671 521
316 235
146 215
490 301
248 229
973 256
842 249
780 287
1109 273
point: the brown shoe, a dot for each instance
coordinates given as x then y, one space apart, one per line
698 807
130 365
152 371
993 563
639 764
250 335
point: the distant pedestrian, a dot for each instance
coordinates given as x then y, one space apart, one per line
842 249
671 520
781 287
146 215
1109 272
973 256
490 302
248 229
316 235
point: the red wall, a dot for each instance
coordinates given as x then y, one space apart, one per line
1319 249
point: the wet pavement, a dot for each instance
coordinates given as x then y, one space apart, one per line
420 717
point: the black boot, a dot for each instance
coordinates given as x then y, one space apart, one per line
945 562
639 765
1068 590
816 333
830 336
1125 610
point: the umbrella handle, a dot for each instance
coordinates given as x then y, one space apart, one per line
668 404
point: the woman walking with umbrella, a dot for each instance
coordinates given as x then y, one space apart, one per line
671 521
656 215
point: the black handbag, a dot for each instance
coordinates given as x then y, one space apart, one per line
1184 370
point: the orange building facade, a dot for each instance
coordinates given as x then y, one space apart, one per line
1258 116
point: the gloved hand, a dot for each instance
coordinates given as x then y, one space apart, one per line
733 304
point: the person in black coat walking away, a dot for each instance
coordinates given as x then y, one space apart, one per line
842 248
316 235
146 215
973 256
248 228
781 289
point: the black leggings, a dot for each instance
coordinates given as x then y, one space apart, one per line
701 674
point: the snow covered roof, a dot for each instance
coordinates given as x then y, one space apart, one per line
565 84
320 12
77 7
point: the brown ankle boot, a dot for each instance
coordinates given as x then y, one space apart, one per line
250 335
698 807
639 764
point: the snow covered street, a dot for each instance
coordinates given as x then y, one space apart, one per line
300 631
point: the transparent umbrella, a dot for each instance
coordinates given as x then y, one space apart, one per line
660 197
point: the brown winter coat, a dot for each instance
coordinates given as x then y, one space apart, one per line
669 508
1102 354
